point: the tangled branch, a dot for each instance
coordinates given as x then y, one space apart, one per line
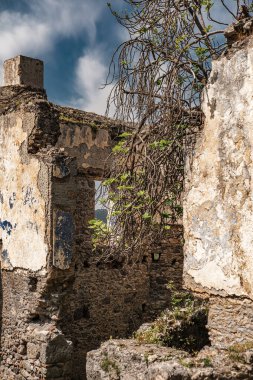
160 72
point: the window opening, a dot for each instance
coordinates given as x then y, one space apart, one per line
101 209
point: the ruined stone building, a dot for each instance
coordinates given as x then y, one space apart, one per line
218 234
56 303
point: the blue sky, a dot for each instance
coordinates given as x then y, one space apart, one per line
74 38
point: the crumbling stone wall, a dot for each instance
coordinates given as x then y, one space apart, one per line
218 199
56 302
230 321
110 299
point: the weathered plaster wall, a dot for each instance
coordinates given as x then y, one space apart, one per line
23 203
218 204
87 137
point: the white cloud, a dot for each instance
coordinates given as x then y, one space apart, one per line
36 32
68 18
91 74
19 34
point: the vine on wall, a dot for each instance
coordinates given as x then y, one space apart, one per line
159 75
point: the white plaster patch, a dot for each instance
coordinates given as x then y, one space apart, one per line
218 201
213 277
22 212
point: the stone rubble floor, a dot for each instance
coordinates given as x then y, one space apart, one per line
126 359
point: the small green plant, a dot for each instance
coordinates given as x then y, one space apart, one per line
152 335
161 144
186 363
183 303
107 365
146 355
94 126
207 362
100 232
18 103
241 347
236 357
236 351
69 120
182 326
120 148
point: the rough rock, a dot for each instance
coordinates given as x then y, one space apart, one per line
238 30
128 360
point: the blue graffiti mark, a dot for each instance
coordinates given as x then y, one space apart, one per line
28 198
12 200
5 258
6 226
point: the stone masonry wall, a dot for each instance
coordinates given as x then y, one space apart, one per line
108 299
230 321
81 306
56 302
32 348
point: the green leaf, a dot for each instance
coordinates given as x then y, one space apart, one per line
161 144
141 193
146 216
125 187
109 181
120 148
124 177
125 134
